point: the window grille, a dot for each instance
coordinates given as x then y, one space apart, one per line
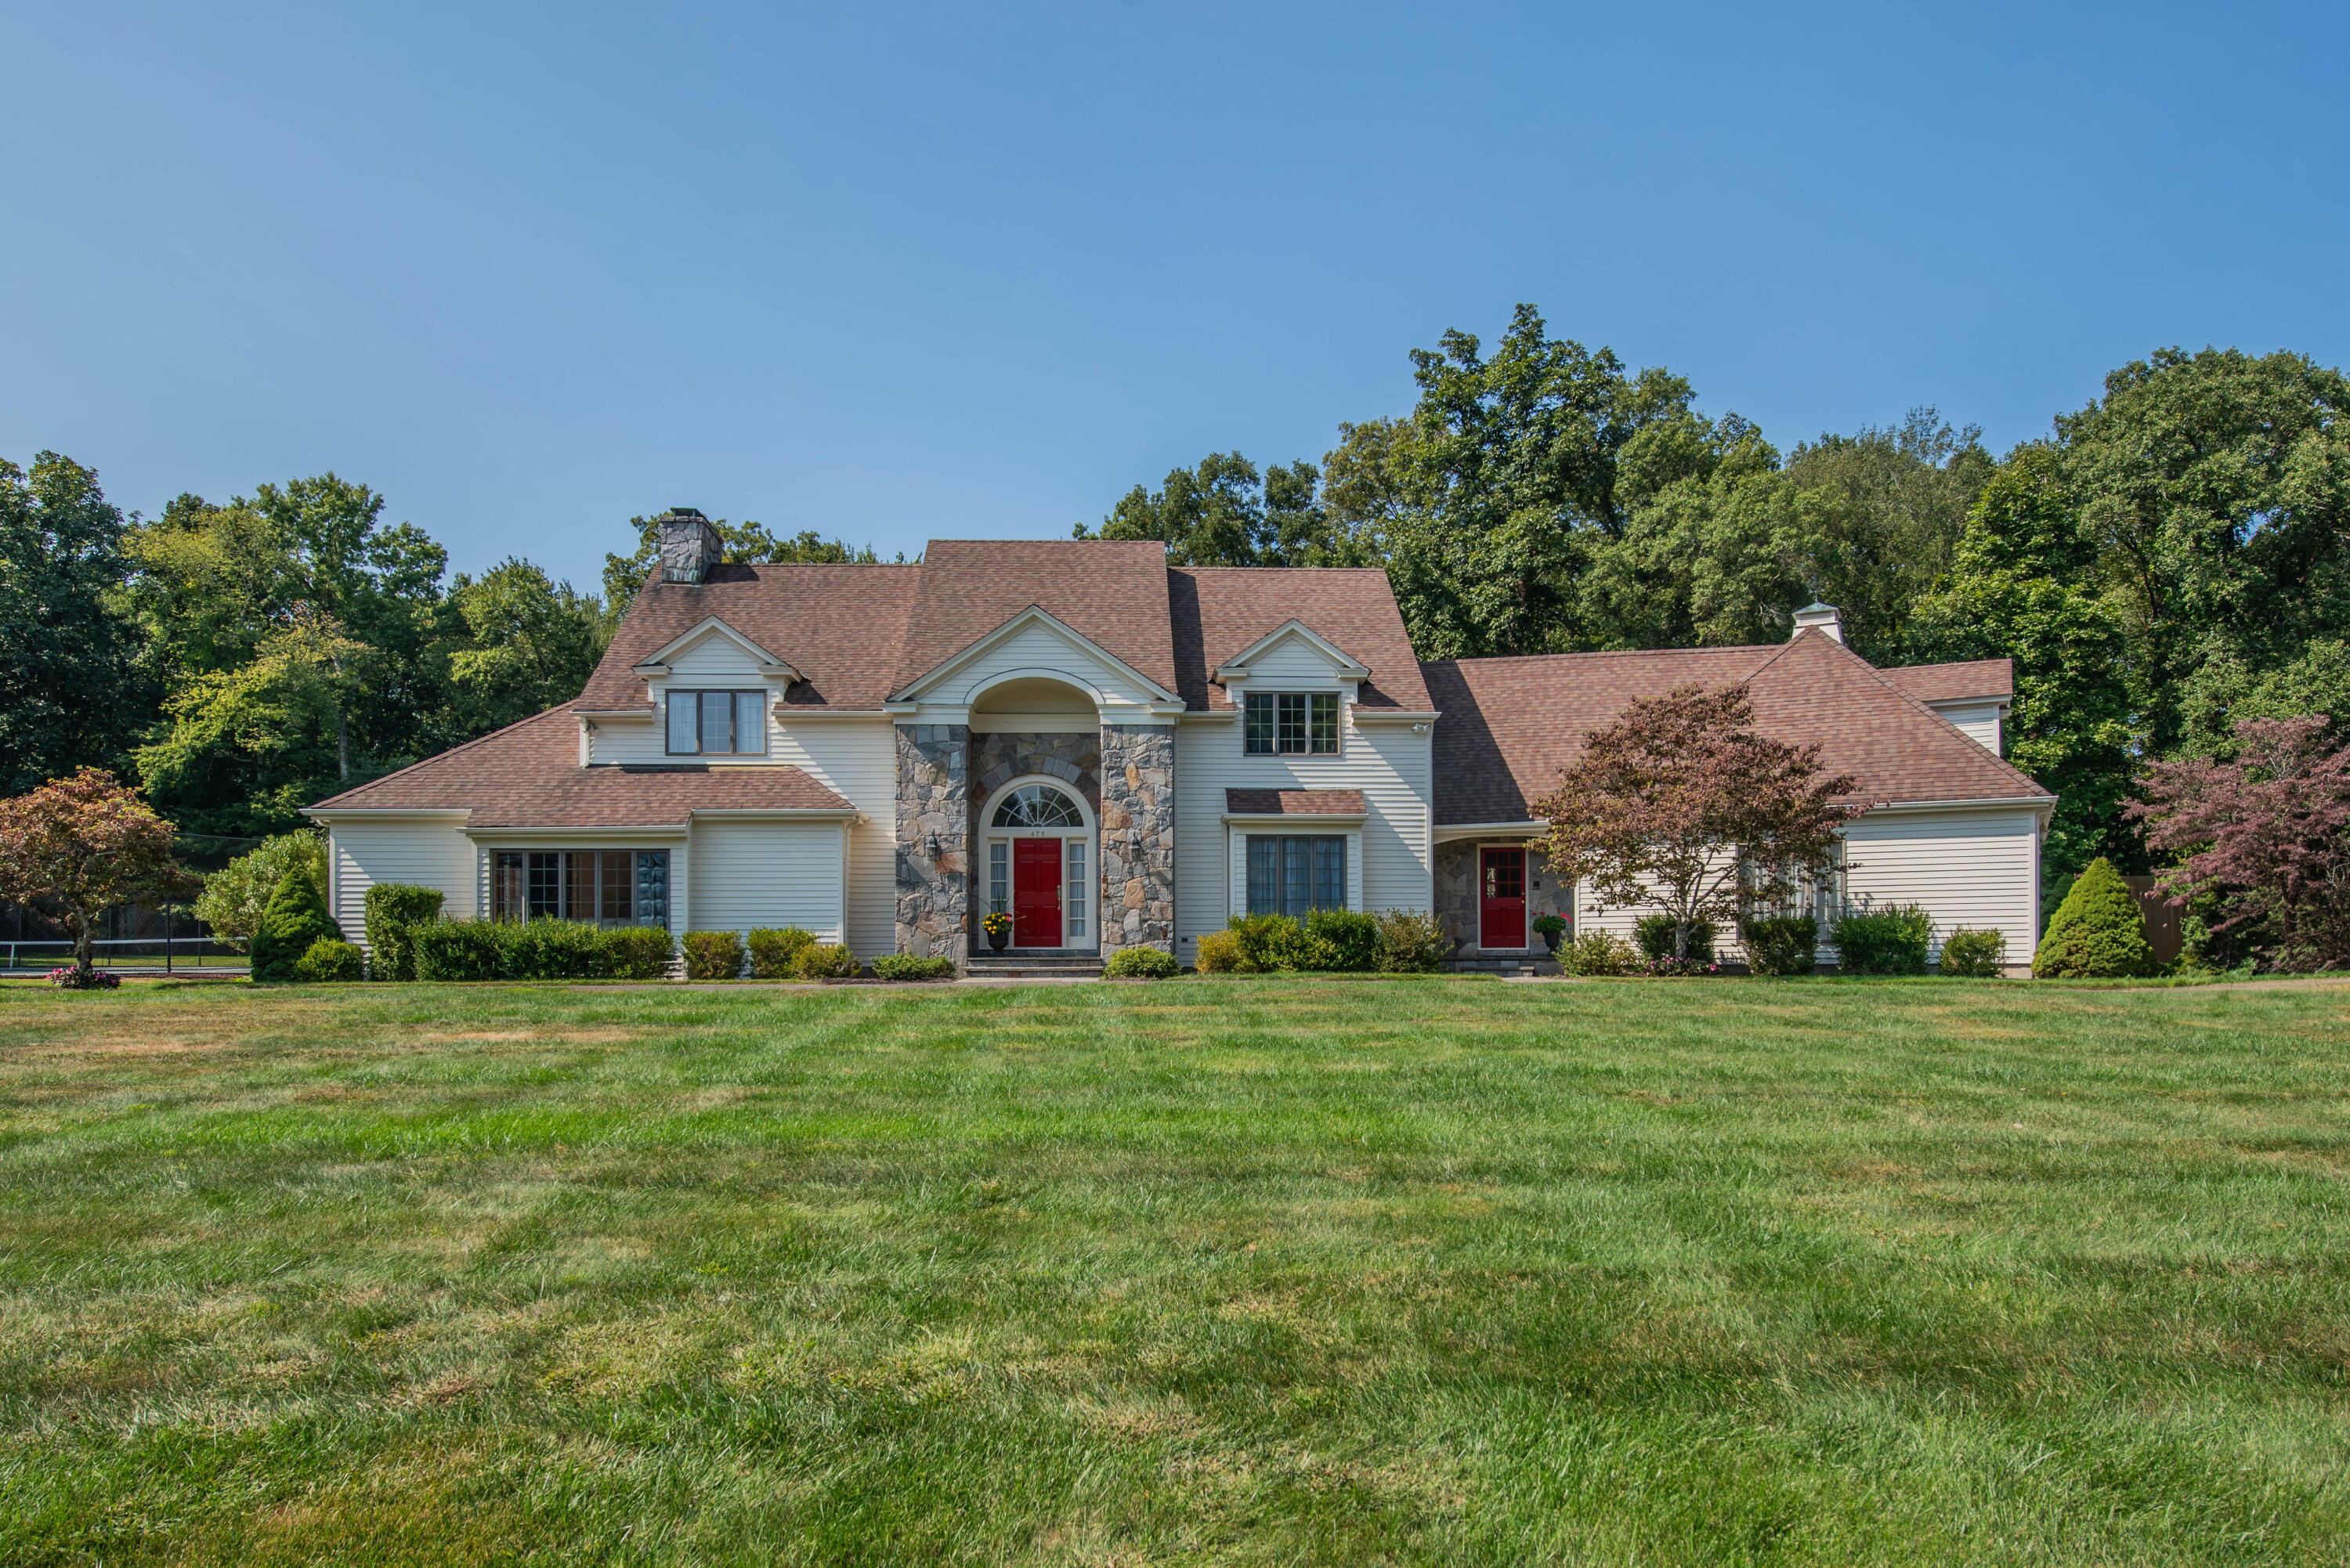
1295 874
1290 724
718 724
602 887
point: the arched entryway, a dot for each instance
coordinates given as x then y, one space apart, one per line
1036 862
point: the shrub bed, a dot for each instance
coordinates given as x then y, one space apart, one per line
1597 954
1142 963
775 953
829 960
1891 940
540 950
898 966
713 955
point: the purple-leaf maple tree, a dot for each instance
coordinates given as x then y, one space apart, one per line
89 845
2269 833
1678 804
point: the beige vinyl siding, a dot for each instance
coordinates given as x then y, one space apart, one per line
770 873
428 854
1979 721
1388 860
1978 867
1293 664
858 760
1040 650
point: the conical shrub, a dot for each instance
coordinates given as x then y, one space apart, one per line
294 918
2097 933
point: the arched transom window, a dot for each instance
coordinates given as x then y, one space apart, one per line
1038 806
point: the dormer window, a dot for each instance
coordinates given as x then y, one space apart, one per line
718 724
1291 724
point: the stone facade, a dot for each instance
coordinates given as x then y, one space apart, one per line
996 759
1137 841
934 801
1456 894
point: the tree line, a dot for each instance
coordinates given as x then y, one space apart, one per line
244 660
2169 560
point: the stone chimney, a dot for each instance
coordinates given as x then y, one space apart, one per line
1828 618
690 547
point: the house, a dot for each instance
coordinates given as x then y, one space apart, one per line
1114 751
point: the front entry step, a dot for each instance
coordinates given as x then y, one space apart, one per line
1036 966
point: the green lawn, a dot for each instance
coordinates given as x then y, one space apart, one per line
1265 1271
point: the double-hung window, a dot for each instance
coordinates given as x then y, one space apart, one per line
718 724
1291 873
601 887
1291 724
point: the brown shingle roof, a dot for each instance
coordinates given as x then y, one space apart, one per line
841 627
1112 591
1296 803
1220 611
1512 725
1984 678
528 775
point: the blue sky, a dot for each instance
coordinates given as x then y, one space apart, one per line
898 271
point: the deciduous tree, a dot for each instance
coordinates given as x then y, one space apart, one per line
1681 805
89 845
2269 831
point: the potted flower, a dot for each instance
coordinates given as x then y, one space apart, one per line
998 927
1551 927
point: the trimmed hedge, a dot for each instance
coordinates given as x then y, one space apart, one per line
713 955
775 953
901 966
1781 944
1891 940
1971 954
1654 936
331 957
1142 963
394 910
1342 941
294 921
830 961
540 950
2098 932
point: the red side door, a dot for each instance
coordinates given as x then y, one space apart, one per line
1035 892
1501 899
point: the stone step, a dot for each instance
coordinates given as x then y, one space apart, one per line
1035 966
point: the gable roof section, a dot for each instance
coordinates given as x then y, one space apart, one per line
1034 615
839 626
1221 612
1986 679
711 626
1343 662
1113 593
1512 725
528 775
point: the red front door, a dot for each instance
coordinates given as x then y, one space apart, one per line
1035 892
1501 899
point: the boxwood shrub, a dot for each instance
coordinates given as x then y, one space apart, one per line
905 966
540 950
713 955
827 961
775 953
331 959
1655 936
1890 941
1781 944
1142 963
394 909
1974 954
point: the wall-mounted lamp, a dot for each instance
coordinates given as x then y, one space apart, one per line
931 845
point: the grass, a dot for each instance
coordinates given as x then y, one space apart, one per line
1264 1271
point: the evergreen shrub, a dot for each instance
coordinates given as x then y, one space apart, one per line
898 966
394 909
829 960
2098 932
331 957
1890 941
1971 954
775 952
1596 954
1142 963
1219 953
460 949
1411 943
638 952
1655 936
294 918
1267 942
713 955
1342 939
1781 944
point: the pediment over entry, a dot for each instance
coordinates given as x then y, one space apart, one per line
1035 645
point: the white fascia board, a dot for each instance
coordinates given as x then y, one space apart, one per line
781 814
569 835
1236 668
657 661
1448 831
2037 801
1034 615
795 714
617 715
333 813
1376 716
1295 818
1210 716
